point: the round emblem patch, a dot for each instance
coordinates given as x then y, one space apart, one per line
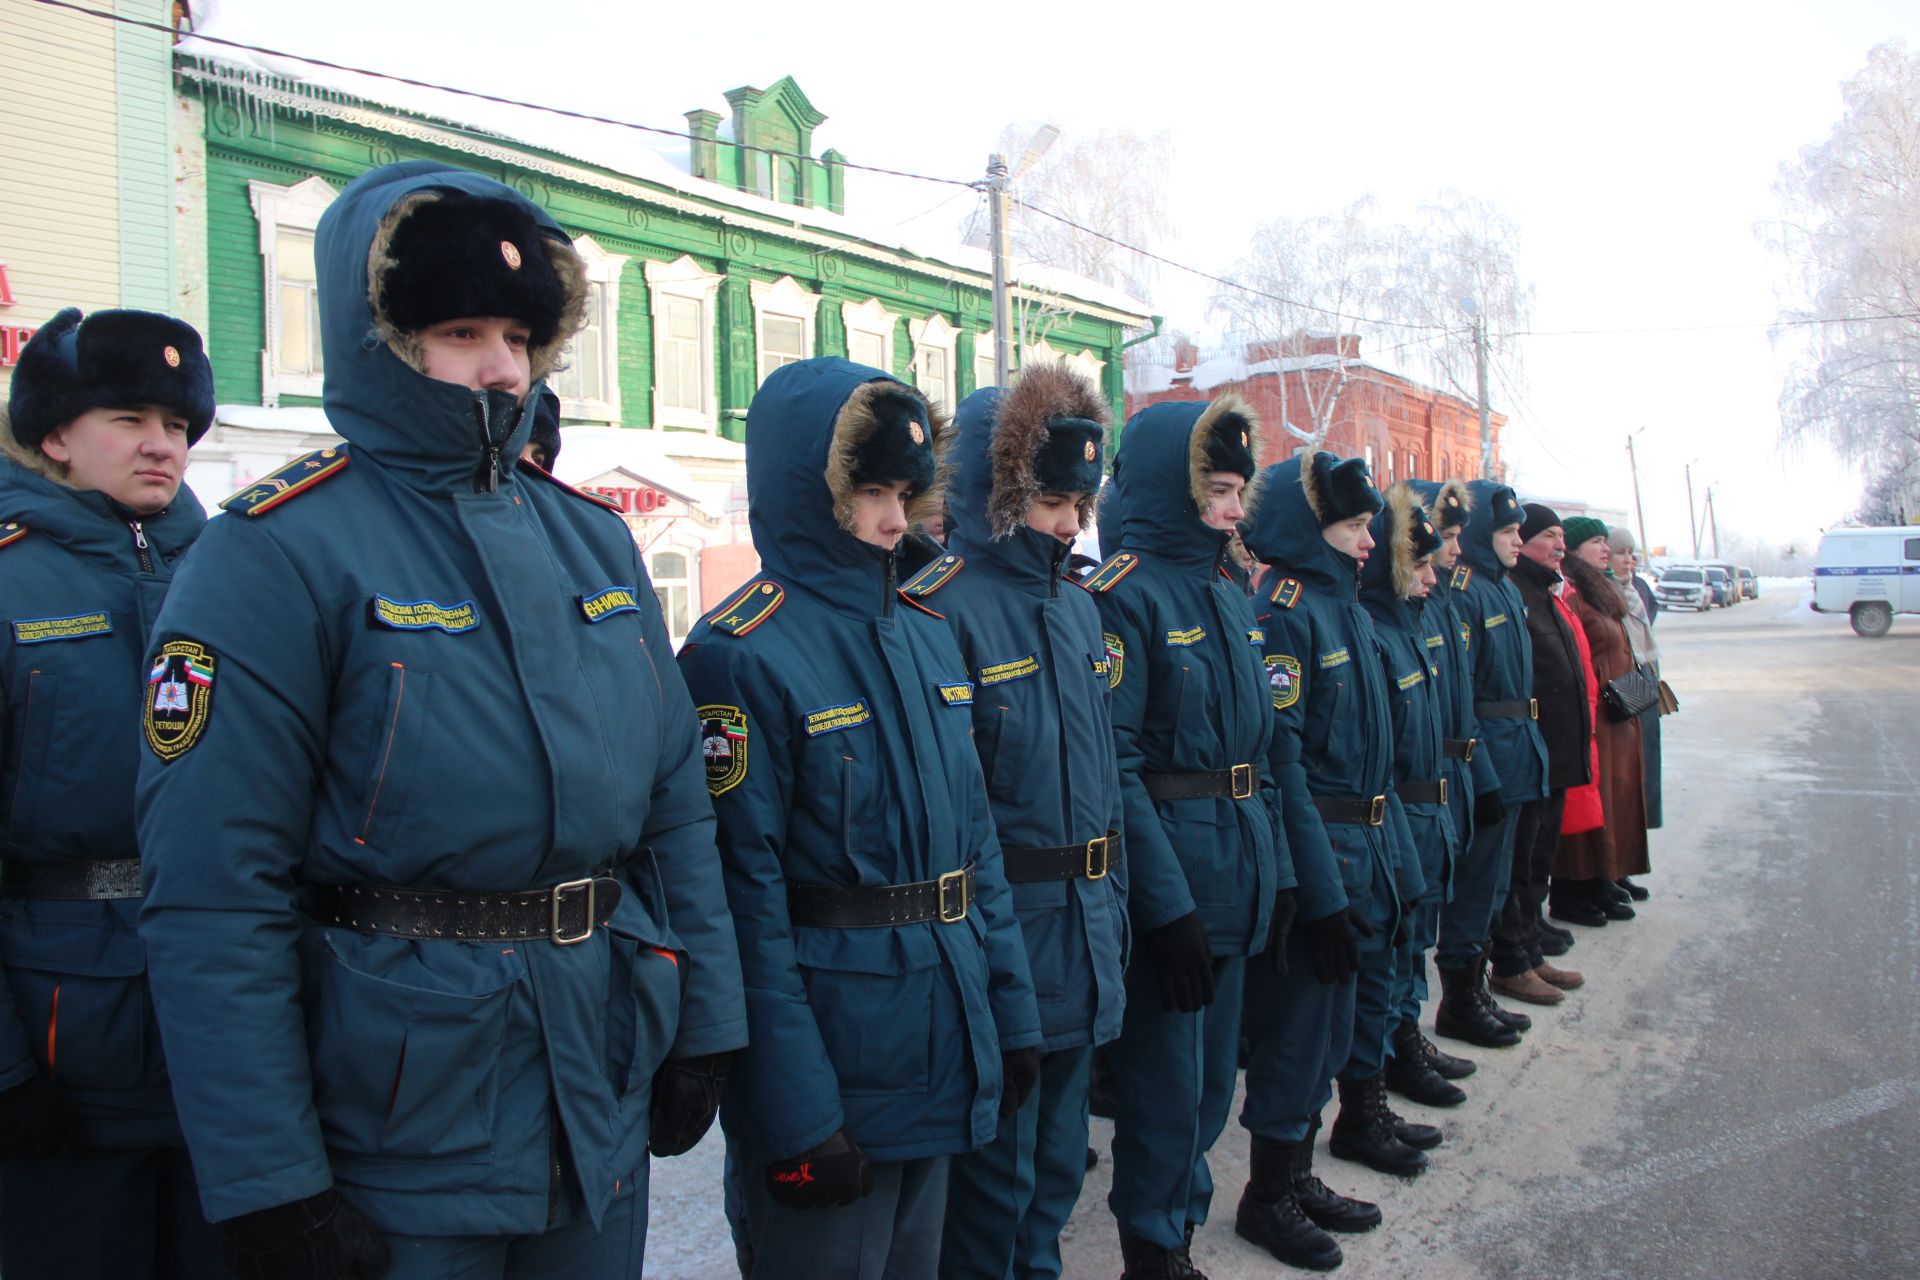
510 252
1246 441
914 430
1092 452
171 356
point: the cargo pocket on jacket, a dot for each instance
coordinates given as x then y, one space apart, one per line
645 985
396 750
33 751
88 1032
1045 928
403 1069
874 1011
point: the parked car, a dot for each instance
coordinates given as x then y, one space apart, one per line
1869 575
1749 585
1720 582
1683 586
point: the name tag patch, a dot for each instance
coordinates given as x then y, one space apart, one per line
957 694
1410 679
79 626
834 719
1337 658
1185 636
1497 620
602 605
1434 642
425 615
1018 669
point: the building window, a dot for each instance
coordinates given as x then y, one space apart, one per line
290 359
869 334
673 585
934 341
682 305
1084 363
588 381
783 323
984 372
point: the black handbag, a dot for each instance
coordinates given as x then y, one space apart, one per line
1633 694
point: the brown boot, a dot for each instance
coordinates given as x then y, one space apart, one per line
1526 986
1565 979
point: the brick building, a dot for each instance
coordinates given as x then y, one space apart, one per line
1405 430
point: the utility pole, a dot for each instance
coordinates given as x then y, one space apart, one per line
1693 526
1639 515
1713 522
1486 417
1002 324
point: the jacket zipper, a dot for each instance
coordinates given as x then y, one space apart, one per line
886 595
488 481
1060 552
140 547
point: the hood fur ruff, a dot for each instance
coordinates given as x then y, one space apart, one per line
31 459
1038 393
1224 411
1401 504
1462 504
856 422
566 262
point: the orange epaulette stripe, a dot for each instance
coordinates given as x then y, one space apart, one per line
1117 567
921 607
1286 592
12 532
552 479
753 605
296 477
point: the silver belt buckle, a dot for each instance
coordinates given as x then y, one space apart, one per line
559 892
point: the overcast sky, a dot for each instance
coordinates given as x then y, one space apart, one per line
1636 146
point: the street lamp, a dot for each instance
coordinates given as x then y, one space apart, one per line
997 181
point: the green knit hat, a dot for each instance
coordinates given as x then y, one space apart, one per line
1582 529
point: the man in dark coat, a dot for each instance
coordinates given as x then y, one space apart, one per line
1029 465
889 1001
1520 969
1192 728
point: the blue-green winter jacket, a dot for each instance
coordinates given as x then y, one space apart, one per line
1446 639
842 755
1334 728
78 595
1188 693
1042 729
1495 617
417 681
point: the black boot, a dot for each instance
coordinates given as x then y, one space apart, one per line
1144 1260
1364 1131
1329 1210
1271 1215
1637 892
1410 1075
1573 902
1515 1022
1611 902
1461 1016
1446 1064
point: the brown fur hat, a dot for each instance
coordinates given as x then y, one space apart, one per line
888 431
1049 436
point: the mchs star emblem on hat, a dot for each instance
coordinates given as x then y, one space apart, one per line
511 253
171 356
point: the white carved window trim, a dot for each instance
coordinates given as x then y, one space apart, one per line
786 299
683 279
603 269
1084 363
665 586
294 208
936 334
875 321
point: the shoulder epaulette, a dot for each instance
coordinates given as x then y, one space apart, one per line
1117 567
596 499
296 477
1462 575
1286 593
927 609
11 532
933 577
752 605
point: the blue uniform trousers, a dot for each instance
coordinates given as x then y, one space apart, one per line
120 1212
1424 927
1300 1031
1375 1012
1007 1202
891 1233
571 1249
1173 1080
1480 878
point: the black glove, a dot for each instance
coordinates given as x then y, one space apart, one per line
1285 907
37 1119
831 1175
1358 923
1336 958
320 1238
686 1095
1019 1072
1185 961
1489 810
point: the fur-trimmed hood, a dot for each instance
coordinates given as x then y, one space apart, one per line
805 429
1283 526
1160 479
435 435
1402 535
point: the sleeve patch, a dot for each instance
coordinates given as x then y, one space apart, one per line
723 745
752 605
1286 592
1116 568
934 576
295 478
1116 658
179 699
1283 679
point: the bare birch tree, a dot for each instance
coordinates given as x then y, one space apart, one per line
1458 266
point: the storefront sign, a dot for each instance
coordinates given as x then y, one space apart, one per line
633 500
12 336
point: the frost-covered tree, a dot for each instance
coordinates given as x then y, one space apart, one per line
1462 248
1849 235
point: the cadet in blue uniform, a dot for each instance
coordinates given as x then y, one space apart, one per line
1029 465
1395 584
94 1180
1494 628
888 998
1192 729
431 884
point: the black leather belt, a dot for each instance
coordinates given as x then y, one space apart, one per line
1091 860
1525 709
1422 792
1459 748
565 914
1363 811
822 906
71 881
1236 783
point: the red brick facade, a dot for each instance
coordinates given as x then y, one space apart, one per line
1413 431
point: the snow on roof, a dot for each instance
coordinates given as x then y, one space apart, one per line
308 419
648 157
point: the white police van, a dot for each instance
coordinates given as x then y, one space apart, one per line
1869 575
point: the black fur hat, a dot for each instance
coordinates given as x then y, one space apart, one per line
899 445
456 255
1506 508
1421 535
111 359
1340 488
546 428
1069 460
1452 505
1230 447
